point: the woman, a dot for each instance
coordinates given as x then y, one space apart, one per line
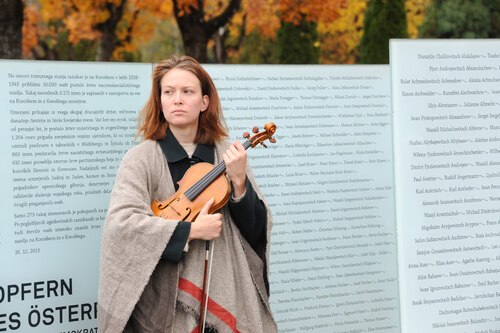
151 272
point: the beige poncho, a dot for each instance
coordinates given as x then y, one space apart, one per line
133 241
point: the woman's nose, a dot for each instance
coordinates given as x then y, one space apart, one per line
178 98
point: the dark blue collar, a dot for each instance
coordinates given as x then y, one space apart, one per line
174 151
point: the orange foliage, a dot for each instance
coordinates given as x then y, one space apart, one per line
30 31
325 11
52 9
184 6
415 14
82 18
157 8
260 16
340 38
79 16
265 16
339 21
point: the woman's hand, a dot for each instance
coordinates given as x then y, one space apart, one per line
235 159
206 226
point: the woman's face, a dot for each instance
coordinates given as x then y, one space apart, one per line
181 99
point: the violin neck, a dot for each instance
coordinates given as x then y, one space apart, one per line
198 187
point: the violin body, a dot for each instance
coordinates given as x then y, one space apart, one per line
181 208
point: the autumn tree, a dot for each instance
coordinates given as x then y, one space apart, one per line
91 30
384 19
339 39
112 29
11 23
45 37
251 36
95 21
115 29
266 21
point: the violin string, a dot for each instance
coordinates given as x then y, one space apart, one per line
200 185
191 192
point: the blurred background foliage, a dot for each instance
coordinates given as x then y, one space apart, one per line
234 31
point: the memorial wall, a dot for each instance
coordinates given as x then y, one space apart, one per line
329 180
447 159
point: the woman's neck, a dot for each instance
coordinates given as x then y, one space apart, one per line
184 135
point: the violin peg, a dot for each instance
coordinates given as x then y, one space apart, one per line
255 129
262 143
272 140
246 135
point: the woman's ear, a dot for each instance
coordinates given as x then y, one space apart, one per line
204 103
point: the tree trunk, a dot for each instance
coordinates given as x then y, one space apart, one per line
196 31
195 41
11 29
109 40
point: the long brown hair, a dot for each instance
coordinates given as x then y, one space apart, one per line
152 123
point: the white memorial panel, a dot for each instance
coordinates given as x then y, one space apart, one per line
447 105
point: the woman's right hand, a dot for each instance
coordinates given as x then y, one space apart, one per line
206 226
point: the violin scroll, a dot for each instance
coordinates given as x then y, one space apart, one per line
260 137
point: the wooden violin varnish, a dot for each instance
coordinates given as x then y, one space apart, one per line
202 182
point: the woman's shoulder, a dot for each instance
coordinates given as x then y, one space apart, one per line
143 152
146 146
145 156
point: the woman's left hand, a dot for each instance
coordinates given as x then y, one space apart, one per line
235 159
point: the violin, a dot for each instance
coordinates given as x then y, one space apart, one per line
203 181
